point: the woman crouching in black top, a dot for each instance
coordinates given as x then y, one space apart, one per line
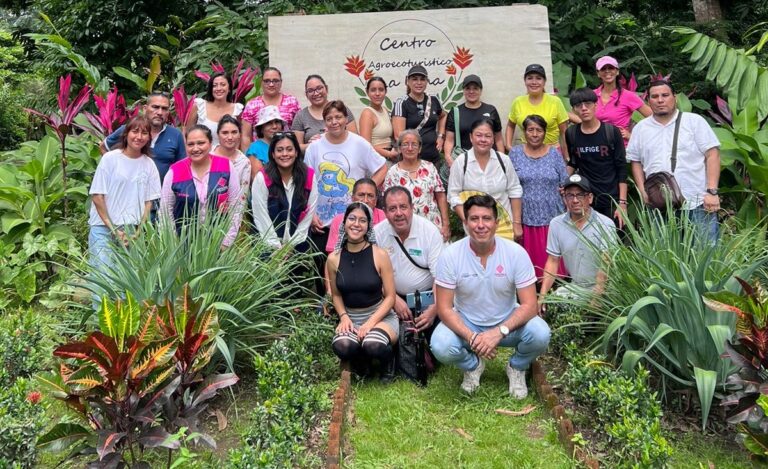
363 290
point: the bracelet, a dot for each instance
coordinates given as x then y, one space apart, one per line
517 223
622 201
472 339
440 135
342 315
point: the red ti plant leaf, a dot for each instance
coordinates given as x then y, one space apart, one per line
182 106
112 114
202 75
211 385
108 439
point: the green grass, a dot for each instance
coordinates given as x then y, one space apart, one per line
402 425
694 450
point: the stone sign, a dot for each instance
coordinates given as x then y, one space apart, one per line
346 50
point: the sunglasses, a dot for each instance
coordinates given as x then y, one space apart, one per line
279 135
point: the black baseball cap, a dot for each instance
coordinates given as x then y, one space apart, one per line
472 79
535 68
417 70
579 181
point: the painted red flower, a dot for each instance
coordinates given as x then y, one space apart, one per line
462 57
34 397
417 192
368 75
450 70
355 65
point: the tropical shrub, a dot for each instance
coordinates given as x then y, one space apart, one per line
13 120
34 234
255 288
25 346
290 399
651 308
621 407
22 418
748 401
134 379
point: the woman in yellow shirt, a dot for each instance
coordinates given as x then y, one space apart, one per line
537 101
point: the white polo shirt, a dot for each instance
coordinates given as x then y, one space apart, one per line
424 244
651 145
485 296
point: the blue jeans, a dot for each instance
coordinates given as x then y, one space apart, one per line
531 340
707 227
100 249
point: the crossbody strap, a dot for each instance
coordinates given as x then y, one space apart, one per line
405 251
427 112
457 140
674 140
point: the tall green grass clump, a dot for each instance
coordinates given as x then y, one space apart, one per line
255 288
651 308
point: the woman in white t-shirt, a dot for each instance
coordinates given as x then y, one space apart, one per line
123 188
217 102
339 158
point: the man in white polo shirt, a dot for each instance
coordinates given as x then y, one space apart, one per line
697 169
414 244
479 282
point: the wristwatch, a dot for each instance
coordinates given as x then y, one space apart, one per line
712 191
504 330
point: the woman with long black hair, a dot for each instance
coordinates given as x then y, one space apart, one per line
615 105
284 195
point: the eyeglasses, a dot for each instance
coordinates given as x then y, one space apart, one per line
279 135
272 81
410 145
318 90
579 196
361 220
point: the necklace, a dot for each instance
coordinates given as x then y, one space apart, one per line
354 253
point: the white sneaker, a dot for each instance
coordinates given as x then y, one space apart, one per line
472 378
517 387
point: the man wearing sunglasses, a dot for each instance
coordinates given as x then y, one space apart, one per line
576 237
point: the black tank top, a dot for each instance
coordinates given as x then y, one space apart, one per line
358 280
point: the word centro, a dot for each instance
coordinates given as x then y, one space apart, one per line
388 43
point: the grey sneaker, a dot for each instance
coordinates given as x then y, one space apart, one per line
517 387
472 378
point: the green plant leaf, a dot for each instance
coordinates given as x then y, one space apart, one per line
706 380
26 285
62 436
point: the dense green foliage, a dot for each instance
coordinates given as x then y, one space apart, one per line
25 347
252 285
290 400
621 407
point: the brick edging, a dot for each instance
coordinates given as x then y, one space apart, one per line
336 428
565 427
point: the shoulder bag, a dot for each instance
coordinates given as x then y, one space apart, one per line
662 186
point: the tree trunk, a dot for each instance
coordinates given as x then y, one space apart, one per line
707 10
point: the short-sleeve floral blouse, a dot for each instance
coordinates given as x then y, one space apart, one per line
424 185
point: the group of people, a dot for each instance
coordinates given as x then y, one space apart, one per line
311 179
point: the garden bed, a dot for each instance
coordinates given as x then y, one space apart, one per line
690 446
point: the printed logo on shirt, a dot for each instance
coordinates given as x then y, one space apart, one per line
487 114
499 271
414 252
601 150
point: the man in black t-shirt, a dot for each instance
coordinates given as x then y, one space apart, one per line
471 111
596 151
